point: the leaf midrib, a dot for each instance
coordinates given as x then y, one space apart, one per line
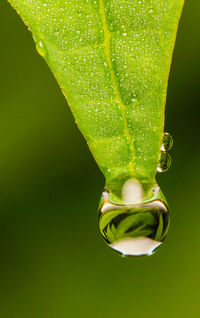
107 35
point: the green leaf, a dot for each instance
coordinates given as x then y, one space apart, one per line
165 232
112 60
140 231
138 219
160 228
107 218
110 236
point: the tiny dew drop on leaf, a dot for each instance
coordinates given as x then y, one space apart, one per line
41 48
111 59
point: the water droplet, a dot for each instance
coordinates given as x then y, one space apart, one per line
134 228
56 31
167 142
41 48
165 162
134 98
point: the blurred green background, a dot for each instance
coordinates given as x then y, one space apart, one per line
53 262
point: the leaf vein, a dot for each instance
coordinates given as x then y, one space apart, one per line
107 35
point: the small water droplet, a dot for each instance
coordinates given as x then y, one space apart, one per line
134 98
56 31
165 162
134 229
167 142
41 48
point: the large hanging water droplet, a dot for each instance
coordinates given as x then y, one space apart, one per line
167 142
134 228
165 162
41 48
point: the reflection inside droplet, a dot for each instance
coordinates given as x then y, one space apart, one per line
137 246
167 142
134 229
165 162
41 48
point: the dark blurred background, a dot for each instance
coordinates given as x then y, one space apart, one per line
53 262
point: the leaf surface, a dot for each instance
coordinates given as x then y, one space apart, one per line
112 59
